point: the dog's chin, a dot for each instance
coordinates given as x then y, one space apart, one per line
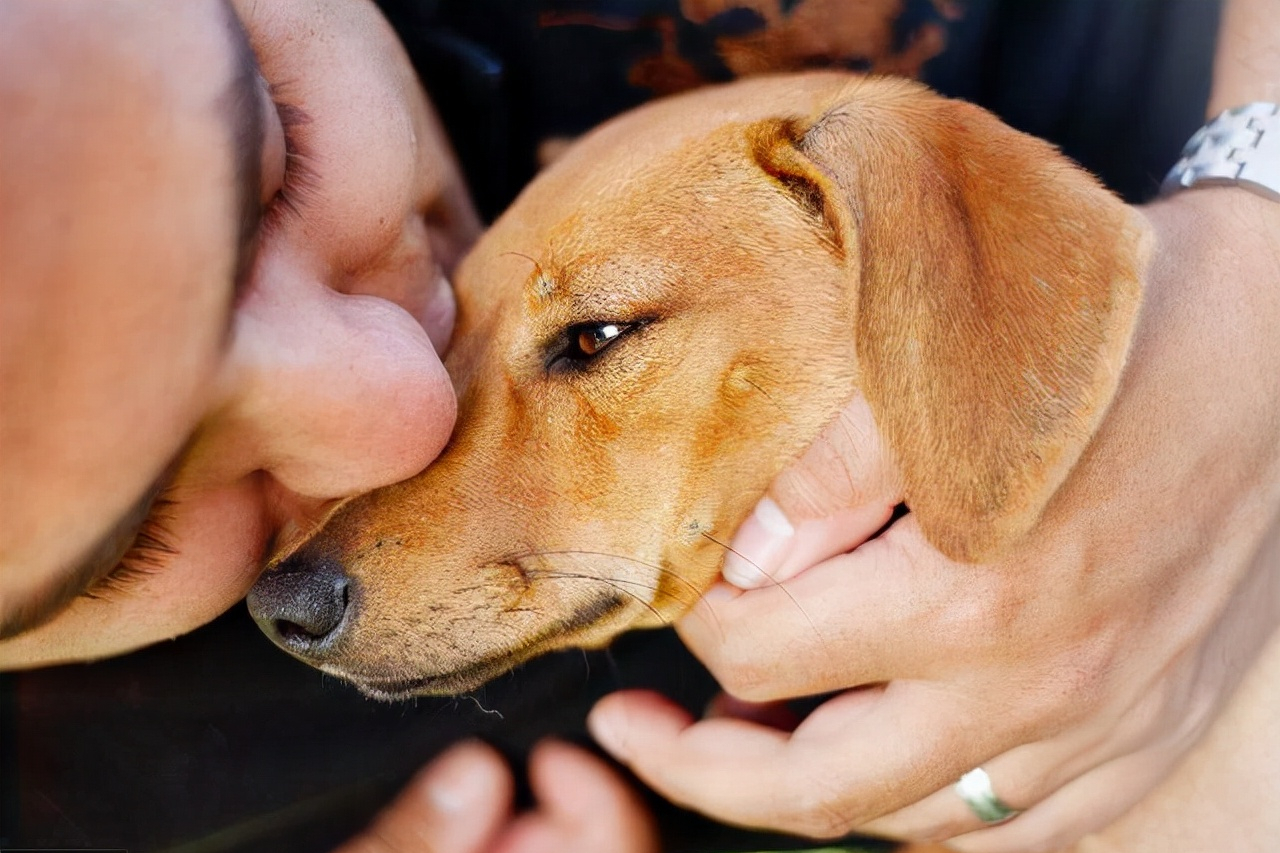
439 684
587 627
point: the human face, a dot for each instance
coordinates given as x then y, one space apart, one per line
224 244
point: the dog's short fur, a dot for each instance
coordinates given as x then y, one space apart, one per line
764 249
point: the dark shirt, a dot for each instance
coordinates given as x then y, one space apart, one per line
1119 86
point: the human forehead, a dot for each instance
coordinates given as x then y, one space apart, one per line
116 253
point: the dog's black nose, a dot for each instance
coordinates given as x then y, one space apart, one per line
302 604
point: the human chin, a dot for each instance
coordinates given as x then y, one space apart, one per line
219 536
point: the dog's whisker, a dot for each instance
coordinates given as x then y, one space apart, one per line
763 393
663 571
617 584
537 267
821 437
688 604
492 712
776 584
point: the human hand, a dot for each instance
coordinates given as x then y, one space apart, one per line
1077 669
462 803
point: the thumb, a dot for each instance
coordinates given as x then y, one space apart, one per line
834 497
457 805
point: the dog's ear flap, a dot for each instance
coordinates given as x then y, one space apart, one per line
775 147
998 287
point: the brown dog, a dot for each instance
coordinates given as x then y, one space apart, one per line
673 312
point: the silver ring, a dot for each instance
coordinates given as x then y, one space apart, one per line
975 789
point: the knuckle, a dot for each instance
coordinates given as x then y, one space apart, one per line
824 809
741 674
749 683
825 820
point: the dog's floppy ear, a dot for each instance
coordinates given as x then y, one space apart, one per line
996 289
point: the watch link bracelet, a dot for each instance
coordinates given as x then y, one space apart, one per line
1241 147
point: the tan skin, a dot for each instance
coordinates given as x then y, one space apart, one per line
125 346
318 379
266 311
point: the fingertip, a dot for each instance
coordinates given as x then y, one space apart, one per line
571 781
581 797
468 776
758 547
622 721
533 833
720 593
459 803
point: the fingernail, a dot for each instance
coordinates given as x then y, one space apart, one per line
605 732
458 783
720 593
758 546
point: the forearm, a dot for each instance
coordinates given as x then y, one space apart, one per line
1247 64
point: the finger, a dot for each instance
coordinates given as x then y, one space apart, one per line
583 807
847 466
1092 787
456 805
775 715
894 608
1084 805
848 763
1135 730
839 493
768 548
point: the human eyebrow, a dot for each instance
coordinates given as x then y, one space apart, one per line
246 123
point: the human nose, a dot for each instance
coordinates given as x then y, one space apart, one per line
332 394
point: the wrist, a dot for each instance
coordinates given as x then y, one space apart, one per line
1247 65
1225 218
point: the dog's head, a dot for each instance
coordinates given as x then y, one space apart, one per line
673 312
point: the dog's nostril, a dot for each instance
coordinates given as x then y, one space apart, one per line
302 603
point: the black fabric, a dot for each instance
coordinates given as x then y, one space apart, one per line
506 74
1119 86
217 742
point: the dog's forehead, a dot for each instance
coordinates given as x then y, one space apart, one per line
629 149
661 182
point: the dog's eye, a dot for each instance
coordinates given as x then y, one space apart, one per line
593 339
585 341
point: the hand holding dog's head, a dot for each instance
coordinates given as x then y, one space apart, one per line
997 289
671 314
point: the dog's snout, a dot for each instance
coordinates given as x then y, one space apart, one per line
302 604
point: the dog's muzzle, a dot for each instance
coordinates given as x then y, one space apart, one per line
303 605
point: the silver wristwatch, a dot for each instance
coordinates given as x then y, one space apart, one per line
1241 147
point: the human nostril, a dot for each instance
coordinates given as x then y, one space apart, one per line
302 604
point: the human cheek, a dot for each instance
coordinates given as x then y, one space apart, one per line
218 535
373 196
